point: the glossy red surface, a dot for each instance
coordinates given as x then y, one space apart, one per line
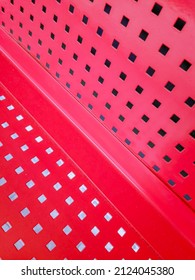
158 182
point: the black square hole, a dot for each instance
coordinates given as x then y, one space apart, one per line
108 106
67 28
75 56
123 76
85 19
31 17
135 130
40 42
192 134
121 118
185 65
21 9
87 67
143 35
93 50
175 118
99 31
33 1
83 83
184 173
171 182
179 24
187 197
132 57
156 9
150 71
107 63
167 158
41 26
80 39
145 118
164 49
115 44
179 147
151 144
71 72
156 103
129 105
139 89
71 9
30 33
100 80
20 24
63 46
190 102
127 141
124 21
141 154
169 86
156 168
115 92
44 9
60 61
95 94
55 18
52 36
107 8
162 132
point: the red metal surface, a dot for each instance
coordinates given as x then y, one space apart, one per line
168 203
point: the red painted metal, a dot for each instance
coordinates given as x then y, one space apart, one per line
135 143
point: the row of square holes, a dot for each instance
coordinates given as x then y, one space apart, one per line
157 8
179 24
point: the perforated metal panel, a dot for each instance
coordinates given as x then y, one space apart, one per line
131 65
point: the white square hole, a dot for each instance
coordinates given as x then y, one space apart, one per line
81 246
121 232
25 212
5 124
7 226
2 97
95 231
35 160
10 107
29 128
30 184
8 157
60 162
37 229
46 173
42 198
1 144
57 186
69 200
95 202
108 217
109 247
135 247
82 215
67 230
24 148
19 244
19 170
54 214
2 181
71 175
13 196
19 117
51 245
38 139
83 188
14 136
49 150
